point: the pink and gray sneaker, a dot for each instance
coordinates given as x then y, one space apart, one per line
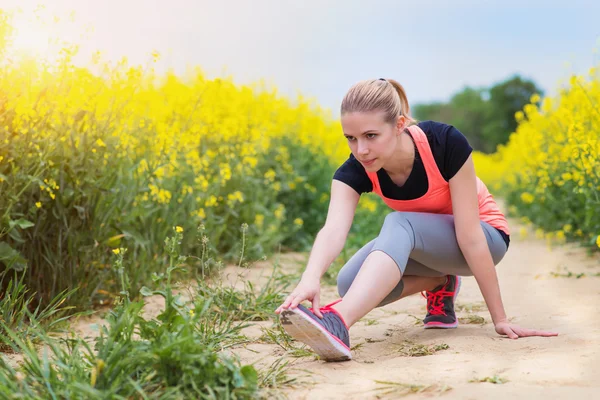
440 304
328 337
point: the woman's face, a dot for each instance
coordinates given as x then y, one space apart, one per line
372 141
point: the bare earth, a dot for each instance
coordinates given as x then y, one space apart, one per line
387 342
562 367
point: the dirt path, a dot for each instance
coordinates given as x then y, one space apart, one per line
563 367
389 343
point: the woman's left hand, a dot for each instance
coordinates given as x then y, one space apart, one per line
514 331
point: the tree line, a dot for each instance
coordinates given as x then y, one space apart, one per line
486 116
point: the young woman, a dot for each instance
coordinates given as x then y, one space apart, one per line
445 225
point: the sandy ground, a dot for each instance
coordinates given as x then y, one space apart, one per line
385 341
562 367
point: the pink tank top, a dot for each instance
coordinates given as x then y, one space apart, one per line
437 199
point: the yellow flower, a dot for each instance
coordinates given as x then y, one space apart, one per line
178 229
235 196
279 211
225 172
270 175
527 198
251 161
368 204
38 204
116 251
539 233
523 232
519 116
573 80
212 201
259 219
598 241
298 221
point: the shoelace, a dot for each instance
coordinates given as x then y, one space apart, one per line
435 304
327 308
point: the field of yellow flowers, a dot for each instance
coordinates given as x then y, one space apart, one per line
113 155
109 160
549 171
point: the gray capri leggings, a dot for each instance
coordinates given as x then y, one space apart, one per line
421 244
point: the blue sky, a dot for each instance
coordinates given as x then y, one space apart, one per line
320 48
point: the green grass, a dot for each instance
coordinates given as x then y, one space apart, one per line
390 389
471 307
20 314
279 337
472 319
411 349
176 355
497 380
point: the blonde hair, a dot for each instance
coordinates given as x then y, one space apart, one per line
385 95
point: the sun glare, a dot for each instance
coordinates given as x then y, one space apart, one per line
30 37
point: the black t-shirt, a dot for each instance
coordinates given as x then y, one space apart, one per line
450 150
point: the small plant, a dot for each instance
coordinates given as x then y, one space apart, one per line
418 321
178 354
249 304
471 307
278 336
371 340
276 375
398 389
357 346
497 380
18 313
410 349
472 319
567 274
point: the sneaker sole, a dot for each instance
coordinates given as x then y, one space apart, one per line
304 329
441 325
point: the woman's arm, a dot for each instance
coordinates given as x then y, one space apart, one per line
473 244
328 245
331 238
471 239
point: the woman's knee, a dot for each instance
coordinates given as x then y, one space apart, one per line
397 223
395 218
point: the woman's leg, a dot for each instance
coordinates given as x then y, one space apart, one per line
429 240
417 277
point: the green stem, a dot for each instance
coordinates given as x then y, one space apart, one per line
243 247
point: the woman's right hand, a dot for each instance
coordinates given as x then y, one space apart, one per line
307 289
